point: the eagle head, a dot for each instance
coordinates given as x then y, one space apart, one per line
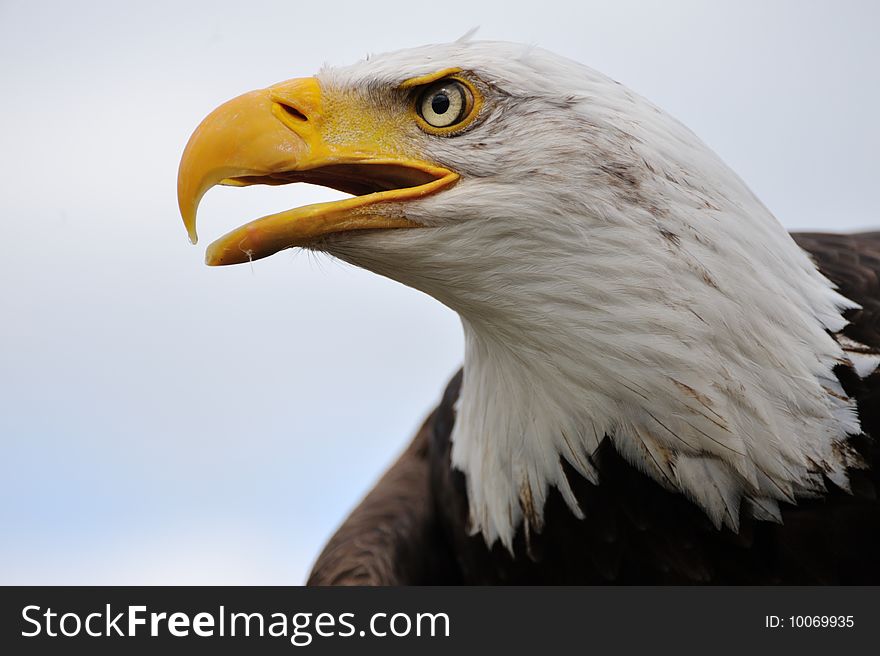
614 278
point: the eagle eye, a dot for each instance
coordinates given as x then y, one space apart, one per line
445 104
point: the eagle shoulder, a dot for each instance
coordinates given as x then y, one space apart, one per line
391 537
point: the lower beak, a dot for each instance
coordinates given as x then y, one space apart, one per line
276 136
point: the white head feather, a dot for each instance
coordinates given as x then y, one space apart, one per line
614 278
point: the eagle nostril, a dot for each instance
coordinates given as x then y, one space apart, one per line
292 111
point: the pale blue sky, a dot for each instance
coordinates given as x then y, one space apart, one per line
163 422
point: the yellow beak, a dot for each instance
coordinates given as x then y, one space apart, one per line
277 136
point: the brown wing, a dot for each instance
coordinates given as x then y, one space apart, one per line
852 262
392 537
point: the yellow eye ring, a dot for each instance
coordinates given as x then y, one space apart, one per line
445 107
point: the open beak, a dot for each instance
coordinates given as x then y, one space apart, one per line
276 136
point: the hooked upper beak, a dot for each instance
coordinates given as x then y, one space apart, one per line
277 136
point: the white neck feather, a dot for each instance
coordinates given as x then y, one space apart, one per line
707 361
715 383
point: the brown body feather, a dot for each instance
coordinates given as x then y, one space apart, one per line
412 527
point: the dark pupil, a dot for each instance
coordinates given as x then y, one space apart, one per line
440 103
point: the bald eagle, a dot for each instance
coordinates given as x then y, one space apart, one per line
660 383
